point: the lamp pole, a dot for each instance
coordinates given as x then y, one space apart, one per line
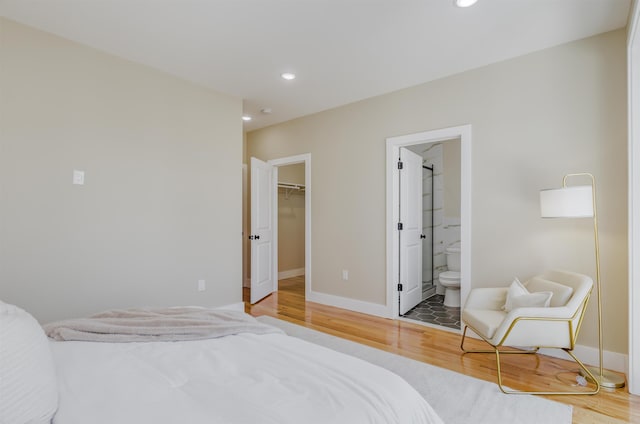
607 379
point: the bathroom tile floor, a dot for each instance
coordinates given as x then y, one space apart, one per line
433 311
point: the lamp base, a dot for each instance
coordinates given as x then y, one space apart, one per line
608 379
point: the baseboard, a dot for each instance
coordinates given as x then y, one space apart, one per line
232 307
290 273
348 303
613 361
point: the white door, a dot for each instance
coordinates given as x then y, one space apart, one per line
263 269
409 236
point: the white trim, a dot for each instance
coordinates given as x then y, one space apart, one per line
276 222
292 160
633 98
290 273
246 252
590 355
348 303
393 150
232 307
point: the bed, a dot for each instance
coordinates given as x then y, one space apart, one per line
253 374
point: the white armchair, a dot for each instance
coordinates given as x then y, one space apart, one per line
554 326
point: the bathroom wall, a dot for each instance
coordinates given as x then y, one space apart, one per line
452 173
432 156
451 176
444 157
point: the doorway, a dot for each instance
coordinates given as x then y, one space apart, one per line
269 190
291 220
438 195
401 261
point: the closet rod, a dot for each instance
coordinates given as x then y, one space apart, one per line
291 186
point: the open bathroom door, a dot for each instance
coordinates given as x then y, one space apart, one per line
263 256
410 234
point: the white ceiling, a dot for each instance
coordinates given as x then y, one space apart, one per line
342 50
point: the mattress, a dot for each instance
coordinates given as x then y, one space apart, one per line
243 378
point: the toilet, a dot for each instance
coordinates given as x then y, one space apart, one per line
450 279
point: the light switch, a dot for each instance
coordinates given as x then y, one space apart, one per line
78 177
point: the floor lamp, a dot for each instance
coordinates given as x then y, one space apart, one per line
580 202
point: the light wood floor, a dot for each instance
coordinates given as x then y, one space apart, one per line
442 348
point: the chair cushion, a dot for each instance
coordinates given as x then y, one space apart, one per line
561 292
484 321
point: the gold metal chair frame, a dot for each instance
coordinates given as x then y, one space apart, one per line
573 336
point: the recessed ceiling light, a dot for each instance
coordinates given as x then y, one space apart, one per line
465 3
246 118
288 76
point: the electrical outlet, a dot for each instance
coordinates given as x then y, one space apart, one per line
202 285
345 274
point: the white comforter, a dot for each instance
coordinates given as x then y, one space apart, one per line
245 378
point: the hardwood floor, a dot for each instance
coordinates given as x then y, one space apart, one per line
442 348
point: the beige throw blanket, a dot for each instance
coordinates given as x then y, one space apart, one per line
156 324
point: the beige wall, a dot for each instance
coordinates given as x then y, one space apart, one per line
290 219
534 118
293 174
161 207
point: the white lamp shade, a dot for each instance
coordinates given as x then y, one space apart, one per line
567 202
465 3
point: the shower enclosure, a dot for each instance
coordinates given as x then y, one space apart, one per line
428 244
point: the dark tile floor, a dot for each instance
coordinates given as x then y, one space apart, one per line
433 311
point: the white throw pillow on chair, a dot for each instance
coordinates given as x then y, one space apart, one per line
519 297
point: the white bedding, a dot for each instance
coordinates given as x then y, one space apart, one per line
245 378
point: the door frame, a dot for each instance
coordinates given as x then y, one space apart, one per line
633 98
292 160
246 228
463 132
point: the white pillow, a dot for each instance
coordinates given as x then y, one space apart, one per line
532 300
515 289
28 386
519 297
